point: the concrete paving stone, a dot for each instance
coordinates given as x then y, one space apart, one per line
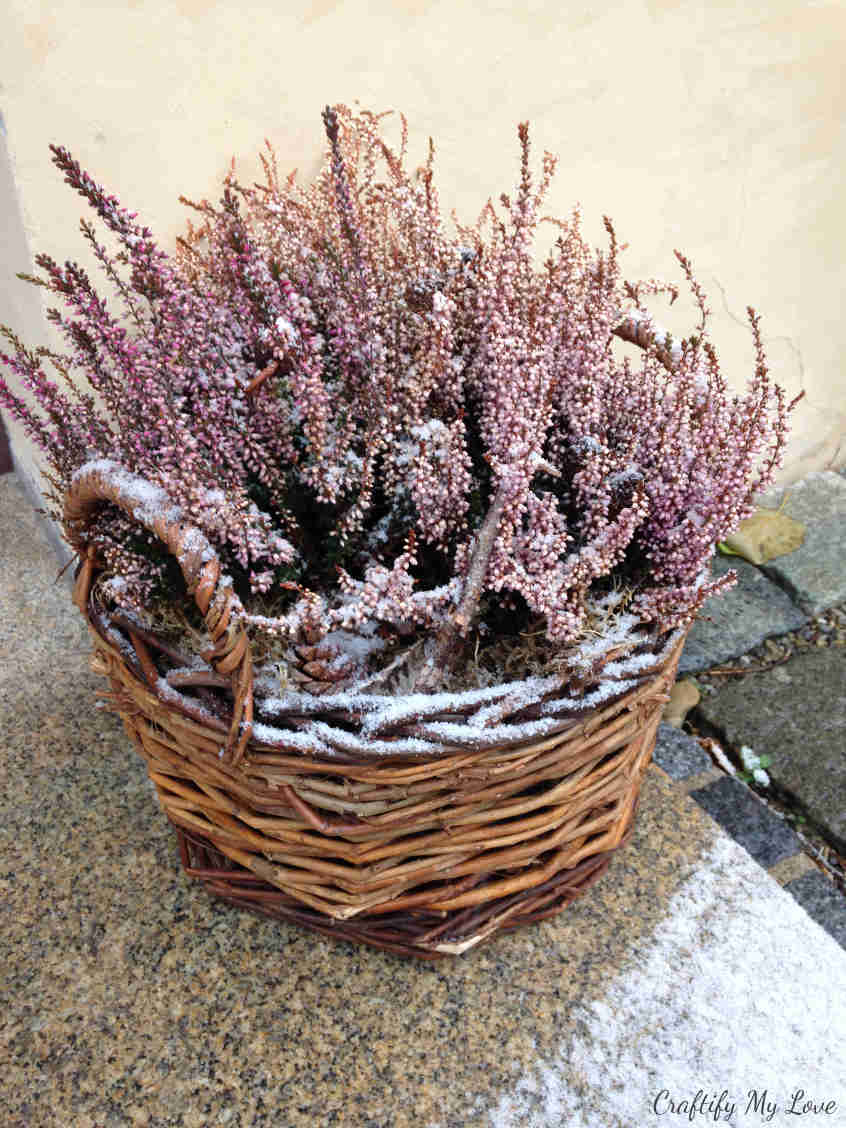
749 821
740 619
678 754
814 574
821 901
796 714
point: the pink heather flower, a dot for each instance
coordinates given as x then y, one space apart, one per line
338 390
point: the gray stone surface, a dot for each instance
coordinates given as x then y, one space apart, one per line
131 997
749 821
679 754
795 713
821 901
815 574
740 619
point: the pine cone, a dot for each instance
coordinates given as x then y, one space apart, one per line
320 669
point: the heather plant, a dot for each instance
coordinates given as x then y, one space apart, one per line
398 438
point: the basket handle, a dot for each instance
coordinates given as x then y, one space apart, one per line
149 505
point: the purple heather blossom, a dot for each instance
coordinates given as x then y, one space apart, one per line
326 370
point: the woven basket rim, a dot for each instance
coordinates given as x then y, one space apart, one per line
323 708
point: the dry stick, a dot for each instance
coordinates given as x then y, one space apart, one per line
130 626
257 381
638 329
458 623
383 674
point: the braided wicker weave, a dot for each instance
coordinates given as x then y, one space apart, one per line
408 841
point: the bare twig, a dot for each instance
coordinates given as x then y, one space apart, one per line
459 622
638 329
257 381
148 637
382 675
198 678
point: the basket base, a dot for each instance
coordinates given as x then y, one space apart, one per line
424 935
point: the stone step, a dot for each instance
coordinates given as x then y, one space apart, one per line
815 574
794 713
748 819
738 620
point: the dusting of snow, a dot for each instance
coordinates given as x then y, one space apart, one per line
637 663
150 503
736 990
661 336
113 587
465 736
521 697
586 444
303 704
607 602
366 746
122 643
625 476
433 430
167 693
295 739
470 717
194 542
351 645
397 710
445 593
620 633
199 666
213 497
632 665
603 694
287 331
378 713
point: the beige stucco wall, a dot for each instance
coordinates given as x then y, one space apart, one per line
710 126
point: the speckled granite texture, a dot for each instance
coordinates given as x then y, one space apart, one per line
130 998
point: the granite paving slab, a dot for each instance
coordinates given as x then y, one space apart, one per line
130 997
814 575
678 754
819 898
737 620
796 714
748 820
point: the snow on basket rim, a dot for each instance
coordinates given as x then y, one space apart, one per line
426 725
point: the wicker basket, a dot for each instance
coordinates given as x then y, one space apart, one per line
409 843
